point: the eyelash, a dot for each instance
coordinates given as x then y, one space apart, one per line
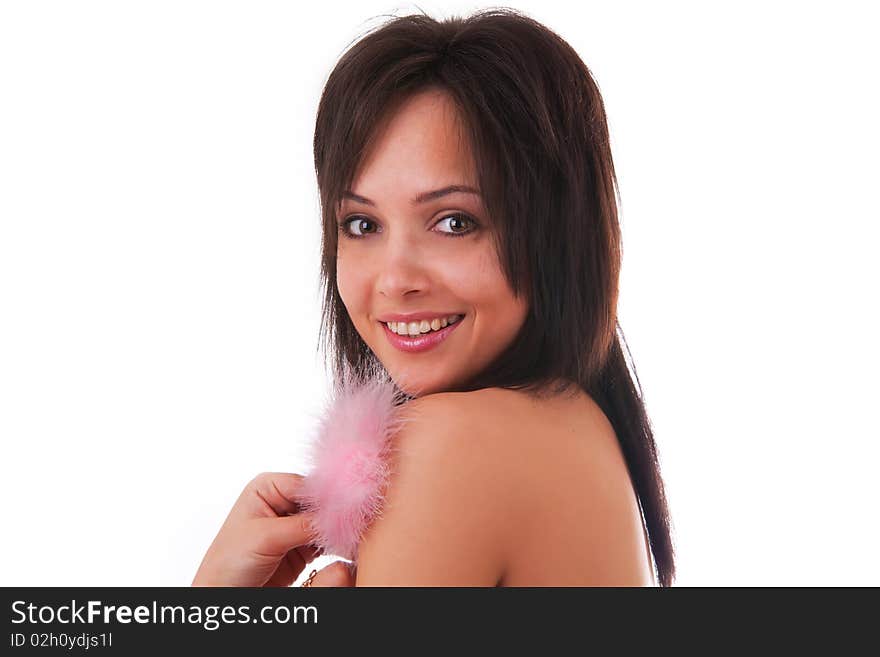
345 222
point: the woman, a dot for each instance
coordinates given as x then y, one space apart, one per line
468 197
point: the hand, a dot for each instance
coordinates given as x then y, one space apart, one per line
265 539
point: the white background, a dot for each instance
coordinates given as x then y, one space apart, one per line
159 257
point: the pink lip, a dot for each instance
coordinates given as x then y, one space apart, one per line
422 343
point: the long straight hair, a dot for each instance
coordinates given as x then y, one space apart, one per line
539 136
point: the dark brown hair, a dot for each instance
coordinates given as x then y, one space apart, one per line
539 136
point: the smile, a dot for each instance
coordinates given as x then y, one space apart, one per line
420 342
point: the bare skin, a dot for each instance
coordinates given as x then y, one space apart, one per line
579 523
498 488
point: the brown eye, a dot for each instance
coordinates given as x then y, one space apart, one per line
458 223
361 225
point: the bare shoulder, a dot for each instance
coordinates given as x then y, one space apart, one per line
514 428
445 519
579 521
502 487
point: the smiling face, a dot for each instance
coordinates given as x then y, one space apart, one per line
431 257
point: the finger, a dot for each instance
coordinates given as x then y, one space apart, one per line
304 554
283 576
278 490
298 557
338 573
292 564
277 536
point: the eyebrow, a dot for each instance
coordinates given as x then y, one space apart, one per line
424 197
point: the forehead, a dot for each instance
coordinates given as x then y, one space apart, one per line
422 142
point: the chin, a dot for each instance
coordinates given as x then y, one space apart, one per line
417 386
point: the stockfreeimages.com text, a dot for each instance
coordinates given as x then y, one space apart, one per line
210 617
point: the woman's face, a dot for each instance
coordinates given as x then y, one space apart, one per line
424 258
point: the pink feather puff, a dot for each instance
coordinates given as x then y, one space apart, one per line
345 488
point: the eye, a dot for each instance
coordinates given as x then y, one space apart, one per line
359 222
458 222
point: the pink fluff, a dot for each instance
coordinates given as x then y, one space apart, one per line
350 464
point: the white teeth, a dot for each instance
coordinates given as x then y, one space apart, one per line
416 328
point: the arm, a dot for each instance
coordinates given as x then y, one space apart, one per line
446 514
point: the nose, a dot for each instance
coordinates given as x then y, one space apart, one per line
403 268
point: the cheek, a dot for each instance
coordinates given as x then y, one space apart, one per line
354 285
475 276
504 312
347 285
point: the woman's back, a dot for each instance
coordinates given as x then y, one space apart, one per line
498 487
581 523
